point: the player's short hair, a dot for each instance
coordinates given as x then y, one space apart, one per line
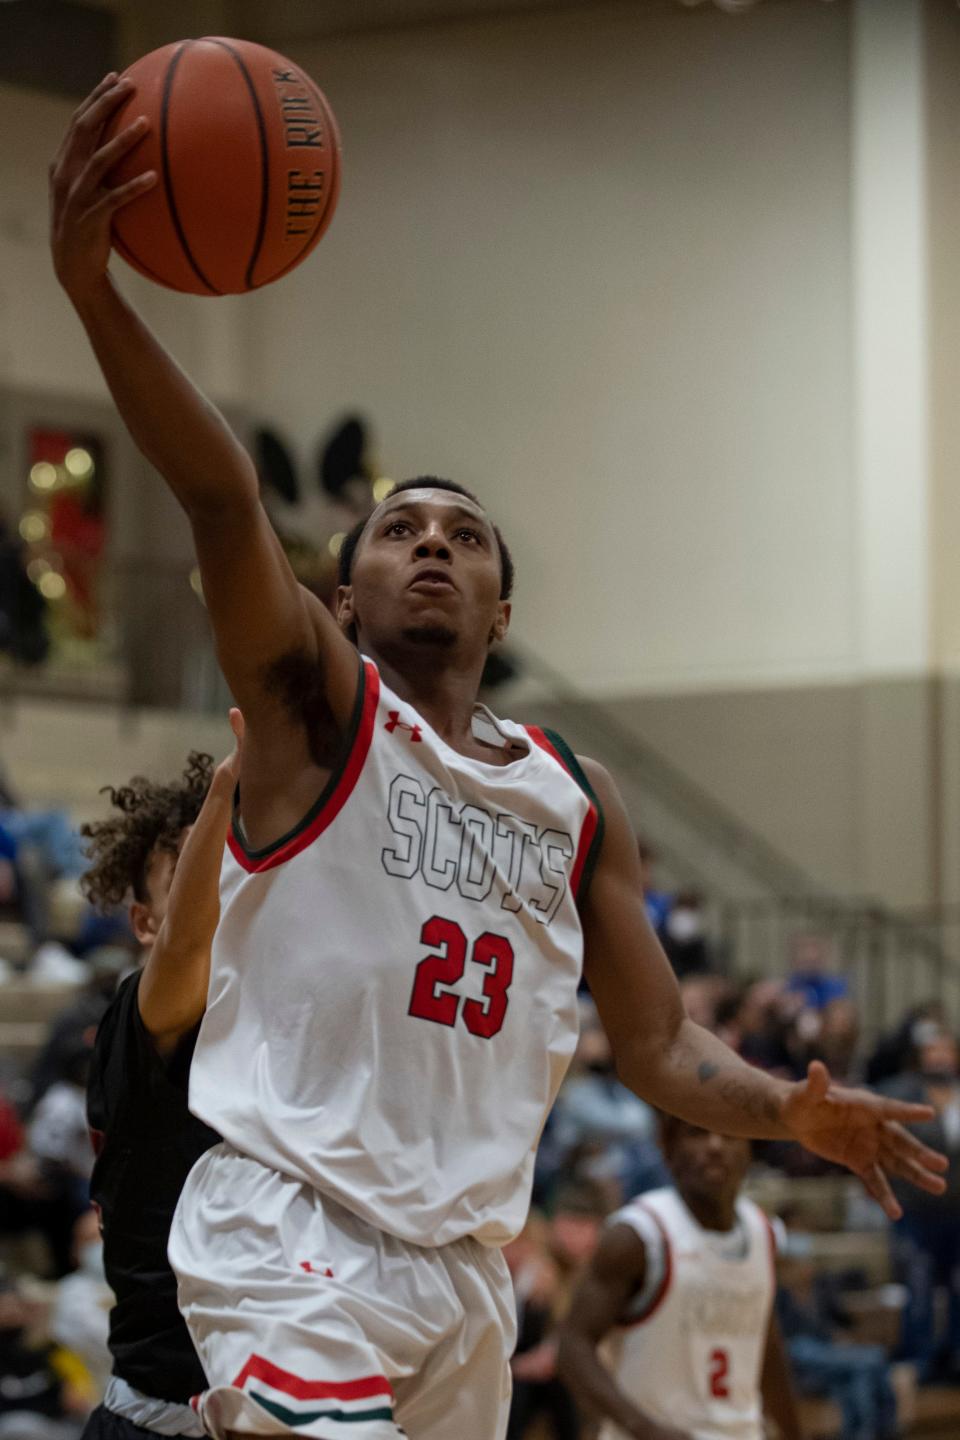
151 818
427 482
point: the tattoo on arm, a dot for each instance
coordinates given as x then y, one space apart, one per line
741 1093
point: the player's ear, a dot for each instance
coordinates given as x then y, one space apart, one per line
142 923
346 615
501 624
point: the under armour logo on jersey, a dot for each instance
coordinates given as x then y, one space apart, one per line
395 723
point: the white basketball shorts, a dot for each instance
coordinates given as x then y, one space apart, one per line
310 1322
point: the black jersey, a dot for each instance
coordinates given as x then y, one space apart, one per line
147 1143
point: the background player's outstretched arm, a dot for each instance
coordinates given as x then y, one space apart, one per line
614 1275
682 1068
172 995
260 613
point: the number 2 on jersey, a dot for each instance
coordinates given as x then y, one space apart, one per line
429 1000
719 1373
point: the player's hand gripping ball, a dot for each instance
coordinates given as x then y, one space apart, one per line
247 155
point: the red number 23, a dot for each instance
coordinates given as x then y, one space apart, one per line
431 998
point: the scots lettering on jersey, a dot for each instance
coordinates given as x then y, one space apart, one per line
451 844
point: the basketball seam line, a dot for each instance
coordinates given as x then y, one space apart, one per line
167 181
264 156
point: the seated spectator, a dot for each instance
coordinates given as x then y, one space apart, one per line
894 1051
599 1128
835 1041
658 902
31 1200
58 1133
537 1286
856 1377
812 977
757 1028
75 1027
80 1320
684 938
37 1400
927 1238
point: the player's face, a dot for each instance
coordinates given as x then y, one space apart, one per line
147 916
427 568
704 1165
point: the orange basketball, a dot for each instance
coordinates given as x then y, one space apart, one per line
247 154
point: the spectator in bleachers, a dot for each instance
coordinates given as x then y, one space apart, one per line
812 976
856 1377
927 1238
836 1041
658 902
893 1053
32 1199
80 1320
684 936
538 1290
76 1025
38 1400
599 1129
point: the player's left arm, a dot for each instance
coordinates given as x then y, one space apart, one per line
678 1066
776 1385
172 995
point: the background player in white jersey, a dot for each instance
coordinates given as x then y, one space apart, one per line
671 1333
412 893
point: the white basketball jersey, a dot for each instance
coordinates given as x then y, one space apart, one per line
693 1358
392 1001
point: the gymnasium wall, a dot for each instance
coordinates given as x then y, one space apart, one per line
599 264
595 263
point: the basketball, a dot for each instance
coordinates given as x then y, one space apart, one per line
247 155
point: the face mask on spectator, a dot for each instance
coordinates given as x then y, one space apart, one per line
684 924
90 1258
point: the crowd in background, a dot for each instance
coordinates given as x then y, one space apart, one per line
599 1149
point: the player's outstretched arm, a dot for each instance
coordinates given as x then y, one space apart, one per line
172 995
614 1275
258 610
680 1067
776 1385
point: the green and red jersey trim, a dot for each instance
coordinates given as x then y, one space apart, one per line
336 792
591 834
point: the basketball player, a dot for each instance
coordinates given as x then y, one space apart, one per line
145 1136
681 1289
412 890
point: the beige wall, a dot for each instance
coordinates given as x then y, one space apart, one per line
841 777
595 263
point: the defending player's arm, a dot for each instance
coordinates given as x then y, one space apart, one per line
776 1385
682 1068
259 611
615 1274
172 994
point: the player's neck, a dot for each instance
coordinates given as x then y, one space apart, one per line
712 1213
443 689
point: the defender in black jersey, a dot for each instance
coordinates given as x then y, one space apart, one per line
164 845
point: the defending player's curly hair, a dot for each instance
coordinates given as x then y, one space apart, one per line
151 817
